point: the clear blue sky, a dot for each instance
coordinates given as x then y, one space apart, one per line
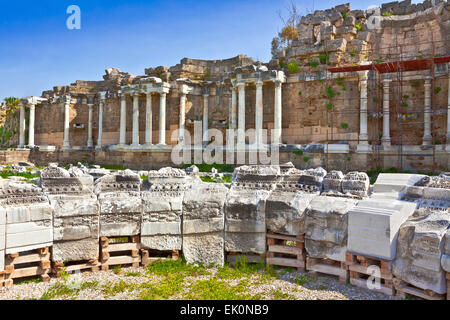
37 51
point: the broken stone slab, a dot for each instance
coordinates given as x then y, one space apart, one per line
332 182
203 224
29 217
120 202
426 197
420 247
391 184
162 197
445 260
356 184
76 214
286 205
2 238
326 227
373 226
245 223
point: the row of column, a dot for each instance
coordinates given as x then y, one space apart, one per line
237 116
148 119
386 138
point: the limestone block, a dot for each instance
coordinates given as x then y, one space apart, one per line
326 227
2 237
285 210
391 184
162 197
29 217
445 260
203 224
120 203
356 183
76 214
420 247
77 250
373 226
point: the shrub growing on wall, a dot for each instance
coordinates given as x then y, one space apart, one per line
293 67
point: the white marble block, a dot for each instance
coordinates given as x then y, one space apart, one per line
120 204
203 224
388 185
76 214
29 217
373 226
2 238
162 199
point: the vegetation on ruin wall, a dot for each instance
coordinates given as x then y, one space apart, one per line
9 129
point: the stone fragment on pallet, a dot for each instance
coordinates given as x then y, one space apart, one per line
120 202
245 223
76 214
29 217
373 226
370 273
2 238
203 224
326 227
162 197
286 205
445 261
420 247
120 251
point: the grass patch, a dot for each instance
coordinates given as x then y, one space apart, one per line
166 268
215 289
35 280
111 290
114 167
89 285
132 274
298 152
314 64
59 290
225 179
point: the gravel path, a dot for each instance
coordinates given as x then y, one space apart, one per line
129 283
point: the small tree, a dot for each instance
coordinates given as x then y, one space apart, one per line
289 33
12 103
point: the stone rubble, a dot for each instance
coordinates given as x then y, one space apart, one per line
404 219
420 247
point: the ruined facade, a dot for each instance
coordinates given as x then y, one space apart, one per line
370 88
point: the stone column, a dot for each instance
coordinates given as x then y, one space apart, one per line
90 143
100 119
31 125
233 115
22 126
241 114
259 112
448 111
363 136
123 119
135 138
148 119
66 143
386 138
182 124
205 117
278 115
427 138
162 118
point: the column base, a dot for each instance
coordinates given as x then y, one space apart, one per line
364 148
427 141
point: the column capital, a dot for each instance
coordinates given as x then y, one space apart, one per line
67 99
259 83
363 75
240 85
102 95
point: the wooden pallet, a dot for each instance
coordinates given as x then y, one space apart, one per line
405 290
119 251
74 266
448 285
5 282
249 258
33 263
328 267
148 256
359 270
280 253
